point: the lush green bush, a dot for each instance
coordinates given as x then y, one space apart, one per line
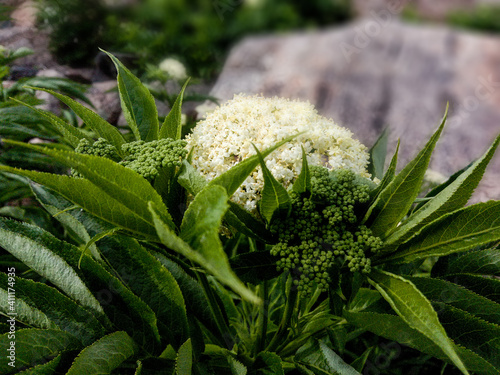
199 32
167 275
484 18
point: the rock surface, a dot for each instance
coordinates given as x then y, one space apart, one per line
372 74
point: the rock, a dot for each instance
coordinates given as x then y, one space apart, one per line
370 74
25 14
105 99
21 36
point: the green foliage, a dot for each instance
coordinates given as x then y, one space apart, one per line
161 273
482 18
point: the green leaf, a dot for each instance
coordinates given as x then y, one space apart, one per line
200 230
103 356
386 180
416 310
85 194
39 251
100 126
394 328
320 359
71 134
378 154
191 179
42 306
196 301
484 286
269 364
359 363
481 262
274 195
58 261
303 182
145 276
246 223
457 231
44 369
453 197
138 104
481 337
184 361
237 368
443 291
172 126
395 200
121 183
35 346
234 177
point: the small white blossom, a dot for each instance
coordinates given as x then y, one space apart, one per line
225 137
174 68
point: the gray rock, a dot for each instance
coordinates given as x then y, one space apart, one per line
374 73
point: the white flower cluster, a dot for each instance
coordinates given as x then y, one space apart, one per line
225 138
174 68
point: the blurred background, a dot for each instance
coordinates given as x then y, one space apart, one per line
366 64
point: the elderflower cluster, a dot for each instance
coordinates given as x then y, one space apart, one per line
225 137
174 68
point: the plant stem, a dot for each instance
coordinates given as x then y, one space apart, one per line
283 327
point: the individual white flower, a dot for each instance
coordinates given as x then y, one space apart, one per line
225 137
174 68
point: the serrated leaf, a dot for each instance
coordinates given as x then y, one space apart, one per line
100 126
42 306
191 179
43 369
481 337
172 126
121 183
237 368
269 364
184 361
453 197
320 359
394 328
457 231
196 301
104 355
303 182
38 250
83 193
484 286
137 103
60 261
393 203
204 247
35 346
359 363
378 153
443 291
416 310
71 134
481 262
151 282
274 196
